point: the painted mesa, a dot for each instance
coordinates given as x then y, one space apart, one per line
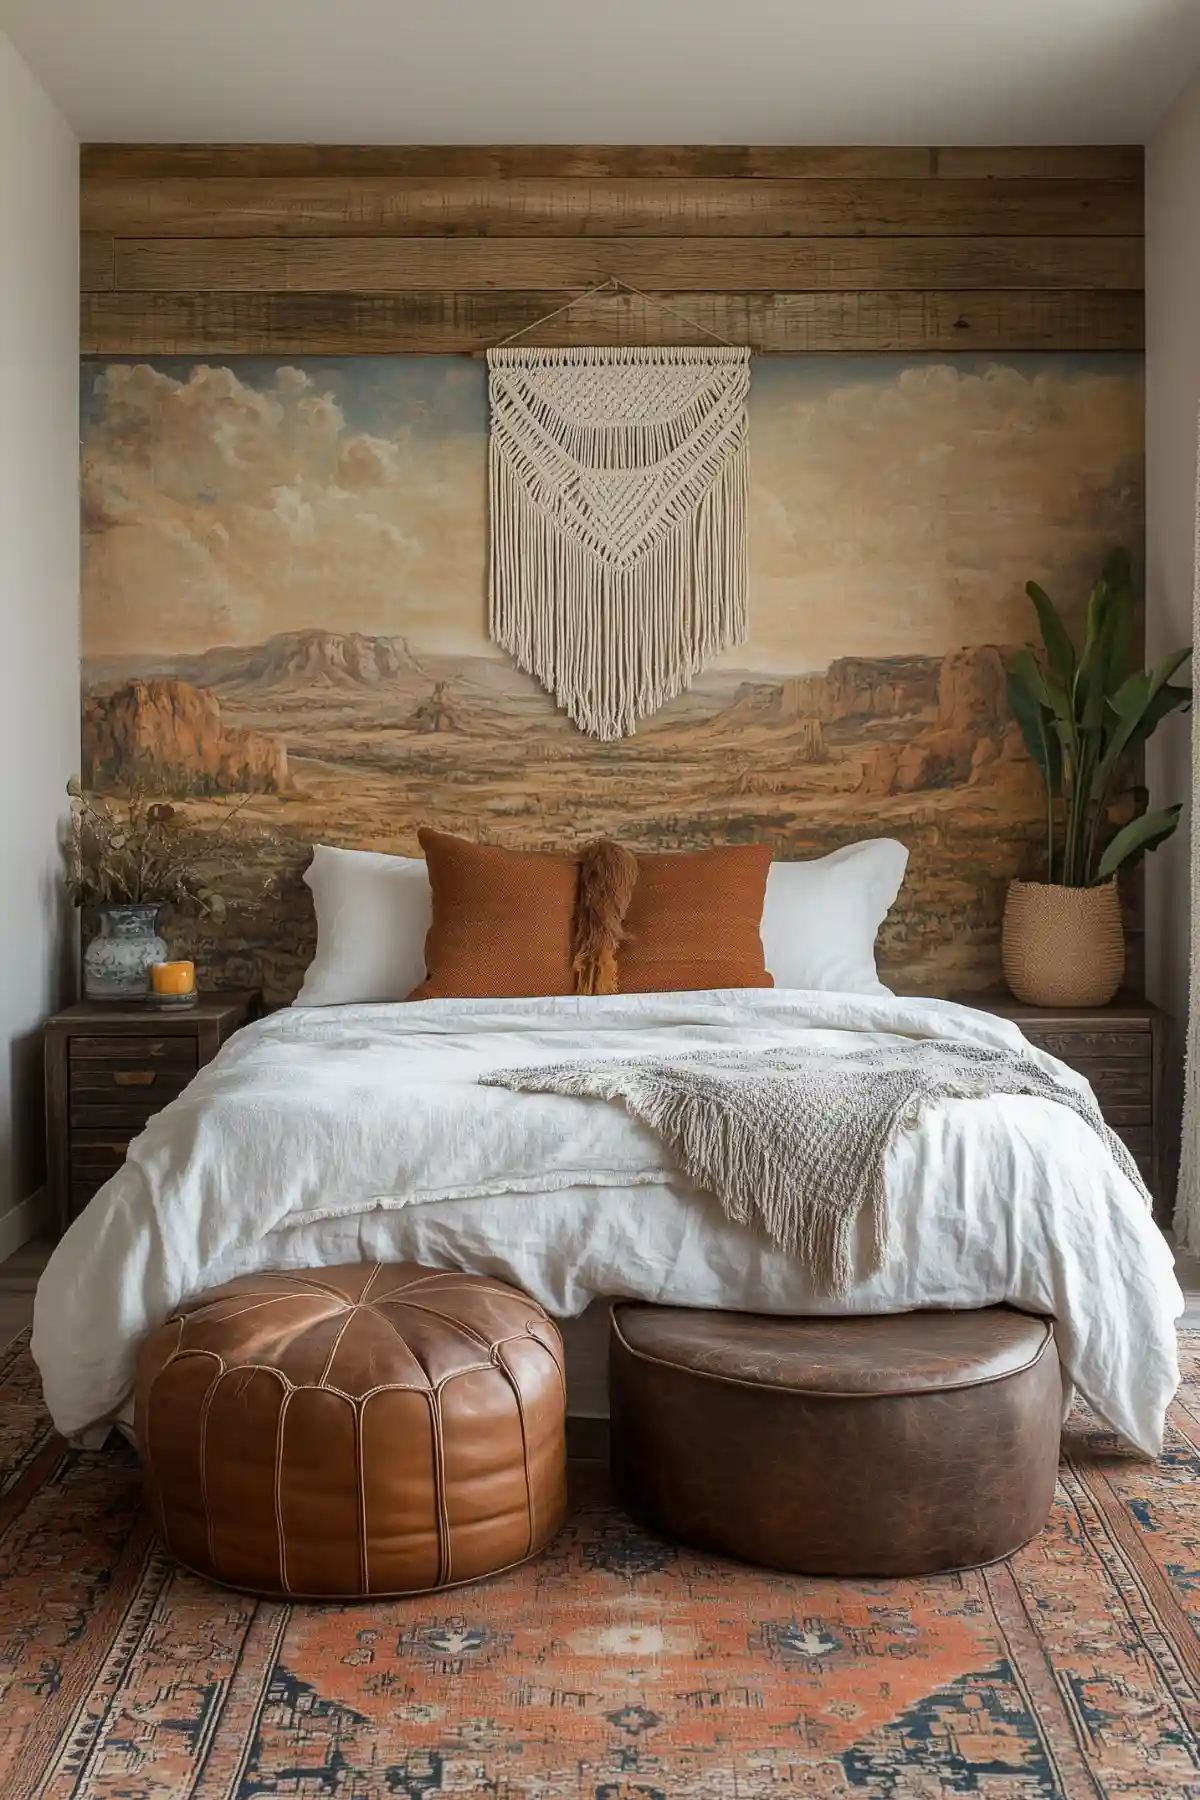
284 606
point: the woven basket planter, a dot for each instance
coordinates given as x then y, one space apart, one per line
1063 946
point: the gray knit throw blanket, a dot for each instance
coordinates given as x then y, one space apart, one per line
796 1141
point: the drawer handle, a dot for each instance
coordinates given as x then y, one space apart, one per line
135 1077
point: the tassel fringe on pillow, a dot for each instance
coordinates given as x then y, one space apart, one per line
607 878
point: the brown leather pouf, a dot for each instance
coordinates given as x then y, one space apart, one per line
365 1430
864 1446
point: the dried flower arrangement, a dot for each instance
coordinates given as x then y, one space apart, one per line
144 851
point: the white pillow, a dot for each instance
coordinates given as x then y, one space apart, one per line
820 918
819 923
373 911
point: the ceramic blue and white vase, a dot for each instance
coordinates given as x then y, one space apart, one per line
116 964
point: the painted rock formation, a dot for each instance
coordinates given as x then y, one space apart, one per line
169 735
863 687
291 659
853 687
319 658
972 730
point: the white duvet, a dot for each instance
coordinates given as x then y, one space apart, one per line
324 1135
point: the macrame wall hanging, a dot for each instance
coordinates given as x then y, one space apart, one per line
618 483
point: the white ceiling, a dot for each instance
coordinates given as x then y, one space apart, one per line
611 71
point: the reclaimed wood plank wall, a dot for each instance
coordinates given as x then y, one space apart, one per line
328 250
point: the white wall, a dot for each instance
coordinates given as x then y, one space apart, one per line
1172 401
39 592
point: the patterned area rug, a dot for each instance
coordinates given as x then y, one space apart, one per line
616 1667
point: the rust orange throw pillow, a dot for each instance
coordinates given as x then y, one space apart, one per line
694 922
512 924
503 921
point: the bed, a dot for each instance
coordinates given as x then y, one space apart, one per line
321 1135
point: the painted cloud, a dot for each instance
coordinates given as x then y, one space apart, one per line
895 507
220 511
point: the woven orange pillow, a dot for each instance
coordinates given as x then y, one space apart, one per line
503 921
694 922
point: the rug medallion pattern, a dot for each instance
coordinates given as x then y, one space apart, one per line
614 1667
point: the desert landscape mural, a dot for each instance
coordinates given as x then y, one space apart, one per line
284 575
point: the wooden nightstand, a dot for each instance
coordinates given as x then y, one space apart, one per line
110 1068
1122 1050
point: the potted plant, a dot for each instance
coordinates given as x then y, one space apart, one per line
125 863
1084 716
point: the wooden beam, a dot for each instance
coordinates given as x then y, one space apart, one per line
579 162
351 325
1061 162
362 206
694 265
97 258
1105 162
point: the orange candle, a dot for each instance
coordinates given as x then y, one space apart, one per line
173 980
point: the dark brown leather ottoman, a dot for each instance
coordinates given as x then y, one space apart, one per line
865 1446
364 1430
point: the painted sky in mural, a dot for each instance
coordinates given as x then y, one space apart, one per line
897 506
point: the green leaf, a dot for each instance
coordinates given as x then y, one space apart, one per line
1105 658
1027 670
1062 707
1060 651
1136 838
1090 677
1120 630
1130 698
1128 704
1099 604
1138 708
1167 700
1167 667
1035 722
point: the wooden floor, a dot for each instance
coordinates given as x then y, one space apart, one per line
19 1276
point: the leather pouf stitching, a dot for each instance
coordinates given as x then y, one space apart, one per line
354 1431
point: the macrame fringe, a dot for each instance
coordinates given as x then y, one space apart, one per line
756 1187
607 878
618 560
613 645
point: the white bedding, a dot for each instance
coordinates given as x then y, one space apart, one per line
321 1136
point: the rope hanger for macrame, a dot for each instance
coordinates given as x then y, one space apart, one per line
612 284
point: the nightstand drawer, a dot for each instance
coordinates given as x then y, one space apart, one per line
82 1191
1118 1087
118 1084
95 1158
129 1119
109 1069
136 1083
134 1052
98 1154
1100 1047
1124 1118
